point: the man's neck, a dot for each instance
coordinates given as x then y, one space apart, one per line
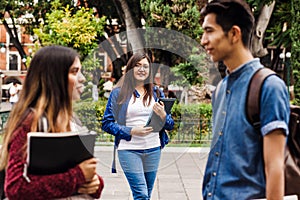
238 58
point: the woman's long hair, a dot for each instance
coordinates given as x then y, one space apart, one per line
45 91
129 82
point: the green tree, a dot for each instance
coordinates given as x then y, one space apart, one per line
26 13
182 16
194 73
282 33
295 34
78 30
276 17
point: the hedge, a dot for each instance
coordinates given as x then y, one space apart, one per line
192 121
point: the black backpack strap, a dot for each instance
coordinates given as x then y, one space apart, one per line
253 95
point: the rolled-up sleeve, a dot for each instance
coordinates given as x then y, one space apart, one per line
274 107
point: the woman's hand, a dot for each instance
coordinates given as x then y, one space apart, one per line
88 168
141 131
90 187
159 109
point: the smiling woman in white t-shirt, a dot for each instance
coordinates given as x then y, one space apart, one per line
127 111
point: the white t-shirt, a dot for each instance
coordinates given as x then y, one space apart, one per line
137 115
14 96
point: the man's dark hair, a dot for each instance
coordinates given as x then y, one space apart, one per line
230 13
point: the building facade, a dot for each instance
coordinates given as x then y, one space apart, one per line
12 66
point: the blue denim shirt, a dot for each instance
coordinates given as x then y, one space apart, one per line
235 166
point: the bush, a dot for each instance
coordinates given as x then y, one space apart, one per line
90 113
192 122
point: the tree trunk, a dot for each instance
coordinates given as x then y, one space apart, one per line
134 38
14 38
257 47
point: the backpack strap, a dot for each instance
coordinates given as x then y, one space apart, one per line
254 93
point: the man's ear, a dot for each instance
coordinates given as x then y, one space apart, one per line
235 34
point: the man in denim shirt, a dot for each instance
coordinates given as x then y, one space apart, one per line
243 163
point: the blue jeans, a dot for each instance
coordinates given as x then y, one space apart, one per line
140 168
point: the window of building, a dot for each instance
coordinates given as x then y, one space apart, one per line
14 61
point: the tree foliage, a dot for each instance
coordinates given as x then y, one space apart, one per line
283 33
78 30
278 33
279 27
29 12
179 15
182 16
295 35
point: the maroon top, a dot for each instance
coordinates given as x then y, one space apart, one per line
40 187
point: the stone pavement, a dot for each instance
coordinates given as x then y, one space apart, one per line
179 176
5 106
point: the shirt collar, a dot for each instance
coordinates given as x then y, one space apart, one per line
241 66
236 72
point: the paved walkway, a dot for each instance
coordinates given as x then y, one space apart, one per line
5 106
179 176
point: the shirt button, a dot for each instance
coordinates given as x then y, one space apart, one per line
224 113
209 194
217 153
228 91
214 174
220 133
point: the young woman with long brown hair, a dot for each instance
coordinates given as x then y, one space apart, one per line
53 81
127 111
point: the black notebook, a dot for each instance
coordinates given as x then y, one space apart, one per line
169 102
154 120
51 153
